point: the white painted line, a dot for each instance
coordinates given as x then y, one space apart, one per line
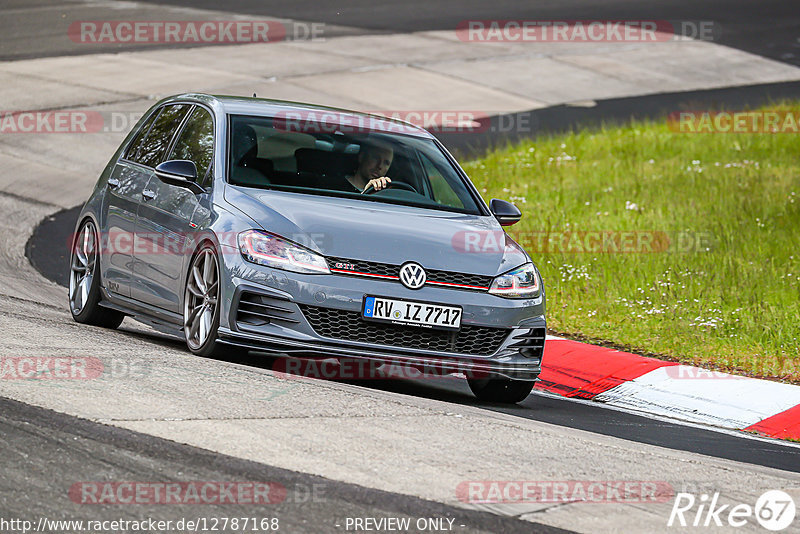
701 396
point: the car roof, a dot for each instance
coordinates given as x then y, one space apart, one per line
240 105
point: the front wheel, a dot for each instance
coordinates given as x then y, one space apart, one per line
201 303
504 390
84 281
201 308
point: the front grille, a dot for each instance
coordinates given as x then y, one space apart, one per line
347 325
446 277
531 343
258 310
435 277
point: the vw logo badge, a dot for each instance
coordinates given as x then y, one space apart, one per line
412 275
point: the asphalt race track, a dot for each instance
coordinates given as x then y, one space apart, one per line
312 504
549 409
371 448
767 28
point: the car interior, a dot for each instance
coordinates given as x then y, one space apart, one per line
264 156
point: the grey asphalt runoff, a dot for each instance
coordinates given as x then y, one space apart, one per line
45 453
766 27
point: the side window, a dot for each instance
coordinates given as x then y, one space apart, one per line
160 135
136 144
196 142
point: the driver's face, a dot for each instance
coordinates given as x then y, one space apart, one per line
376 162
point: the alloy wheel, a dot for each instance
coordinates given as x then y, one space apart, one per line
84 256
200 300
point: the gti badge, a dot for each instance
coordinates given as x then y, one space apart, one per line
412 275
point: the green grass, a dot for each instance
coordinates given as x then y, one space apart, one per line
731 301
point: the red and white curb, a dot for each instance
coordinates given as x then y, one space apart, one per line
633 382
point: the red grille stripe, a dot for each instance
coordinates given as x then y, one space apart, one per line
389 277
359 273
455 285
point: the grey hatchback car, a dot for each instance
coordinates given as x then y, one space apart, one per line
310 232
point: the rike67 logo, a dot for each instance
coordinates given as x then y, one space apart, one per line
774 510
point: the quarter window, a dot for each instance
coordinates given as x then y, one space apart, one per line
161 133
196 142
136 144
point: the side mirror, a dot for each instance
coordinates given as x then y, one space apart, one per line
505 212
181 173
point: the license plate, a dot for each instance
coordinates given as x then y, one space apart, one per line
409 312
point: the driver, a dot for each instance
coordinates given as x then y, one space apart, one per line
374 161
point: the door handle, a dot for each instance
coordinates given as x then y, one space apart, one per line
148 194
113 183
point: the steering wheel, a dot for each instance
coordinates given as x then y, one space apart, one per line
402 185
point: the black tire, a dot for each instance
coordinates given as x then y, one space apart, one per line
84 281
503 390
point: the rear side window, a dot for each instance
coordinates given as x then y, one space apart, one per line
154 145
196 142
136 144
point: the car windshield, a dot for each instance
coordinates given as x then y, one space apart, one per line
339 159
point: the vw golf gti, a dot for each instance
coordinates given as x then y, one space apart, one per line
304 231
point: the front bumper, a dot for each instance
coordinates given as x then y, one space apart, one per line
282 327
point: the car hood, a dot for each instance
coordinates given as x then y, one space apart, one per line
387 233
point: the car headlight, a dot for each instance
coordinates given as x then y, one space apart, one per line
273 251
522 282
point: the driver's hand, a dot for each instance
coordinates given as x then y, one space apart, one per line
379 183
